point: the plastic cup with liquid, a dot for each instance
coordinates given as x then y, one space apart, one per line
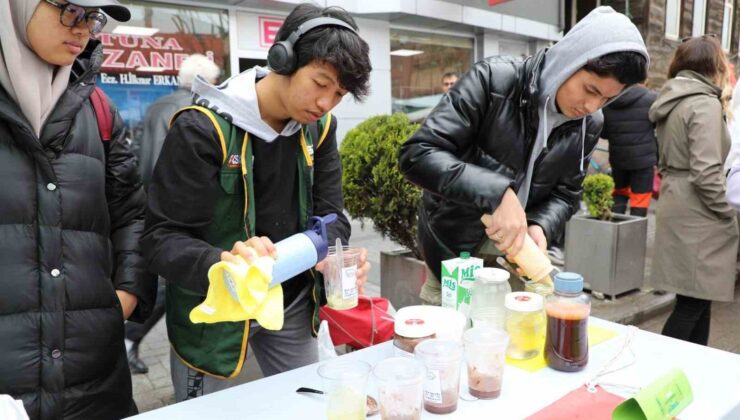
525 323
345 383
400 388
442 359
340 280
485 354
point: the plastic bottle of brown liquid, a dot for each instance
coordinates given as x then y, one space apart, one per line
566 345
535 263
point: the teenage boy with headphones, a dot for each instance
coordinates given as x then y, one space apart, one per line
246 166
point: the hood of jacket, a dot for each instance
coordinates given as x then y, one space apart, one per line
236 100
601 32
81 81
686 83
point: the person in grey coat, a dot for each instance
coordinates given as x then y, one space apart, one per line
156 125
157 120
696 236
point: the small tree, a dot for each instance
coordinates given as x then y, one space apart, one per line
372 182
597 193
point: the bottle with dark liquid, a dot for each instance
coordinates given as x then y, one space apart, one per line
568 309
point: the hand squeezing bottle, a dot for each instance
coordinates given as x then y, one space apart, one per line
241 291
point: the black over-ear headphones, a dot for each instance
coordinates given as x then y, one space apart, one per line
282 59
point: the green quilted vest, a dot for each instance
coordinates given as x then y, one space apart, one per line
219 349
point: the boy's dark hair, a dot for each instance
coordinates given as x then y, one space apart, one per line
341 48
628 67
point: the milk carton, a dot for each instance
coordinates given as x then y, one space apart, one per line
457 279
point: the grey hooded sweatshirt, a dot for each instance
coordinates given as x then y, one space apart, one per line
601 32
237 99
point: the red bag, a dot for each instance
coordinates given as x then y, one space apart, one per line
656 183
102 113
366 324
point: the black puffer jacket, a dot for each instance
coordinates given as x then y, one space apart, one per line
70 220
631 135
475 144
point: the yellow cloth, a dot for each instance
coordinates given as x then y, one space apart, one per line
238 292
596 335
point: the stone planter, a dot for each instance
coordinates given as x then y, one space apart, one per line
401 277
609 254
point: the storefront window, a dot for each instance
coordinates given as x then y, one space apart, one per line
418 62
143 55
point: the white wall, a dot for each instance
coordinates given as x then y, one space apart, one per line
487 45
350 113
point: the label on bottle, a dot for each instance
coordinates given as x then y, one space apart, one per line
433 387
349 282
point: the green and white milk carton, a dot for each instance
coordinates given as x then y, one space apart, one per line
458 275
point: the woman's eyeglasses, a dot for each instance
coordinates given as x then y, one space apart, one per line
71 15
705 36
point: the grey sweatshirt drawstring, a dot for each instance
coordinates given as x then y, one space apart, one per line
545 127
583 141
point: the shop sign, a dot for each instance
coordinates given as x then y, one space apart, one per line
153 60
269 27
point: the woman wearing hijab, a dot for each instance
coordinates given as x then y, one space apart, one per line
696 233
71 213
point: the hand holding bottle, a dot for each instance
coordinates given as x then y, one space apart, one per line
507 226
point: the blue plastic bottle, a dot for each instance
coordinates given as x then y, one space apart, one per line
302 251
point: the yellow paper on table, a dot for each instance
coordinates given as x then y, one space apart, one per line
238 292
596 335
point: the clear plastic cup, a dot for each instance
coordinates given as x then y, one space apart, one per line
442 384
341 281
400 388
485 353
525 321
345 383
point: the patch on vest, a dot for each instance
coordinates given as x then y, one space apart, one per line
234 161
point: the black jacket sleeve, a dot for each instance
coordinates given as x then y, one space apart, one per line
431 158
552 214
327 187
126 202
182 197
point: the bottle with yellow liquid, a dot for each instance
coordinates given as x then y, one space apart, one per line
525 325
533 262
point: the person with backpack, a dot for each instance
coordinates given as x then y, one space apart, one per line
246 166
71 216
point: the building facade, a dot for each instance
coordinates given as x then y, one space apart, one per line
412 44
664 23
